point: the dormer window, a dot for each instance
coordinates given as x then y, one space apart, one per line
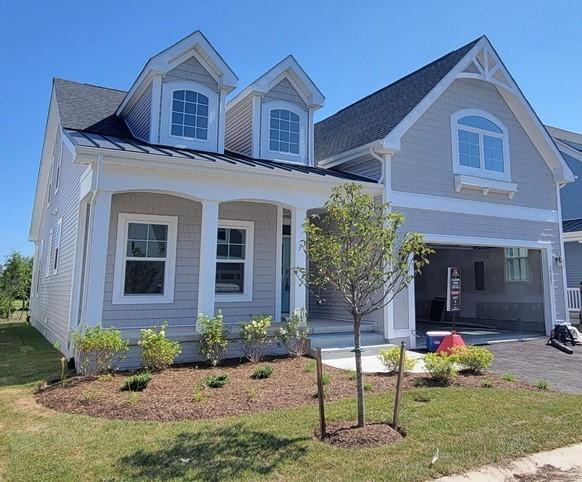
284 131
480 145
189 114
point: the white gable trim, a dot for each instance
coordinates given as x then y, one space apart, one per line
195 44
490 66
288 69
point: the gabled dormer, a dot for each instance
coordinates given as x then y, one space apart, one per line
272 118
179 97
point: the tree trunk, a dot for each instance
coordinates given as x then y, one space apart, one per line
359 375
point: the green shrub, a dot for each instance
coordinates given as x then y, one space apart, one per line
442 369
214 342
158 352
97 348
509 377
293 334
310 366
391 359
215 381
326 378
541 384
367 386
473 359
487 384
255 337
264 371
136 383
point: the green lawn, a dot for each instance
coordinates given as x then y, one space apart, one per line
469 426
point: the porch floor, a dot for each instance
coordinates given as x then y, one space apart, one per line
475 335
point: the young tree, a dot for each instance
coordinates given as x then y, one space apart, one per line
355 248
15 281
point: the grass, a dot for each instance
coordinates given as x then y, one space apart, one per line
470 427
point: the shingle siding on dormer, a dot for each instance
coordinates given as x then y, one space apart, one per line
192 70
285 91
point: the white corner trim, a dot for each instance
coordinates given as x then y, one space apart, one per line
119 298
249 227
279 263
476 208
485 185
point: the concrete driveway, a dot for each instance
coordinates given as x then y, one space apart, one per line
533 360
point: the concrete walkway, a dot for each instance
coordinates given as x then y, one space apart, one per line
563 464
534 360
345 360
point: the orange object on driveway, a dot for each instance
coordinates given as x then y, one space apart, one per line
450 342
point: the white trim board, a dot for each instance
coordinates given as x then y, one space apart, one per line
476 208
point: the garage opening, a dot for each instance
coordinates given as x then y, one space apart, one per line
502 293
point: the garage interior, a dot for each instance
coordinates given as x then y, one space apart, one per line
501 294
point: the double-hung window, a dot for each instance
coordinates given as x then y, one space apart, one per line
234 260
516 264
480 145
145 259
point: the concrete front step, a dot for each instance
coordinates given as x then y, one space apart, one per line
339 328
344 342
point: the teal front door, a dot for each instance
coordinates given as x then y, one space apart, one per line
285 273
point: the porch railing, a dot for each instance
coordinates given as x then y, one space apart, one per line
574 300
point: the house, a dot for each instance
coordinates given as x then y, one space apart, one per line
169 200
570 145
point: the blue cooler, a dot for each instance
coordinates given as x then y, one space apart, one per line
434 338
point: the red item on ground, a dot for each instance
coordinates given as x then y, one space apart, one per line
449 343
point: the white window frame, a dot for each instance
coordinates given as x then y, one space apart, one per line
249 227
480 171
119 297
56 246
166 137
47 267
58 169
266 151
507 258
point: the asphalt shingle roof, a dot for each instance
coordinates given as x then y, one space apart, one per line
373 117
572 225
90 108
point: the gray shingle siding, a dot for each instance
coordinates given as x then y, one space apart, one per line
573 257
571 194
193 70
284 91
425 164
139 116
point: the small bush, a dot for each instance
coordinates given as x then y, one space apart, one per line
487 384
325 378
264 371
294 333
541 384
136 383
198 393
105 377
509 377
420 398
215 381
441 368
255 337
158 352
251 394
90 395
214 342
473 359
310 366
391 359
367 386
97 347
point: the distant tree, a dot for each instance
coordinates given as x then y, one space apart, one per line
355 247
15 281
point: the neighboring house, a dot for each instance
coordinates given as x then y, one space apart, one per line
168 200
570 145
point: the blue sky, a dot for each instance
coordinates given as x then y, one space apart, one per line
349 49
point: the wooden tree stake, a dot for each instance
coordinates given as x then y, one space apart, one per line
320 394
398 387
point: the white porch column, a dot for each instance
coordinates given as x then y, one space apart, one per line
207 269
97 258
298 295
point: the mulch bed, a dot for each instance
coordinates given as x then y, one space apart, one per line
176 393
347 435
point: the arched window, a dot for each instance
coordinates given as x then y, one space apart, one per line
481 144
189 114
284 131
